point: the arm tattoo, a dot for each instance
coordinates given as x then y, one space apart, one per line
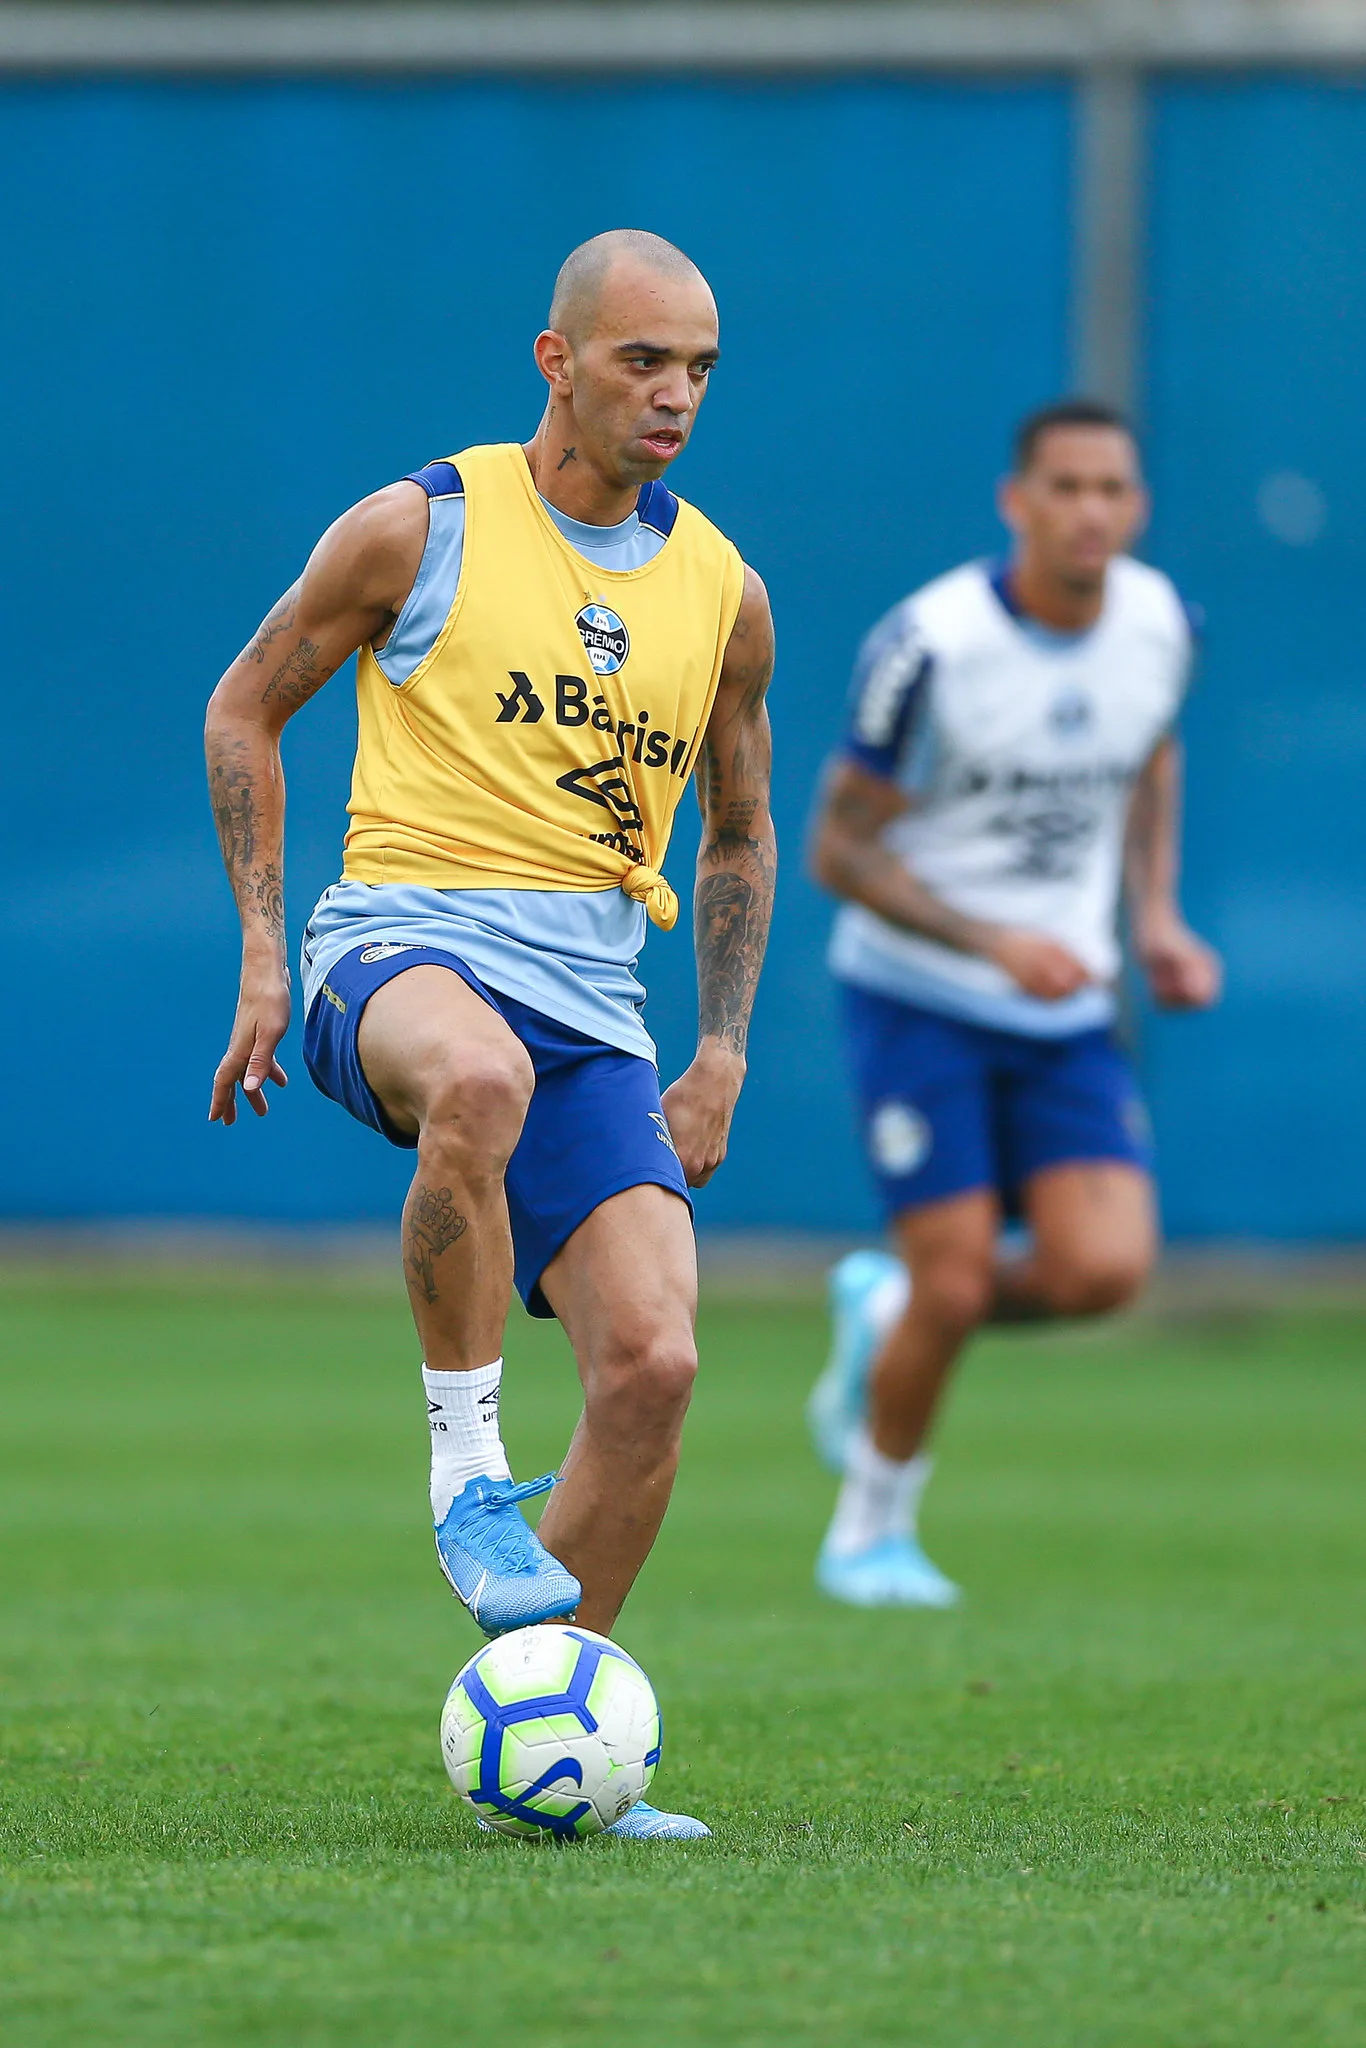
728 957
280 621
431 1227
234 808
297 677
270 899
737 860
848 805
258 886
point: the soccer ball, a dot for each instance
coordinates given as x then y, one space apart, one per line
551 1731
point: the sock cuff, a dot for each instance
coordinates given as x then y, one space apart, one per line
479 1381
865 1454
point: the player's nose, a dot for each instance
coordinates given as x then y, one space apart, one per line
674 394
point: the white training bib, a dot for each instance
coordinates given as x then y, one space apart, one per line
1018 749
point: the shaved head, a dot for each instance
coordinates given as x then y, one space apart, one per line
578 288
631 343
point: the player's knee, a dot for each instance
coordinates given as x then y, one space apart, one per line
644 1378
474 1111
953 1292
1095 1284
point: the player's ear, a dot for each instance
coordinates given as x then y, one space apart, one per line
1008 503
554 360
1143 506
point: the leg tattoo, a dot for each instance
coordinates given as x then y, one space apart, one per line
433 1225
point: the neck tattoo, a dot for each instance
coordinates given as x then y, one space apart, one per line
568 456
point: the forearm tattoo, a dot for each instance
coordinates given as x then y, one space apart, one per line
239 777
431 1226
730 949
232 795
258 885
737 862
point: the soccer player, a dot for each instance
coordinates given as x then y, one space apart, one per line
1009 764
550 645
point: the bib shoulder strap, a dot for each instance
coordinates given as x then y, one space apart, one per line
438 480
657 508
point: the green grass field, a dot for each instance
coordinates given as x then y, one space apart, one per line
1118 1799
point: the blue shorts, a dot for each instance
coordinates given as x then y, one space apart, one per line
594 1126
949 1106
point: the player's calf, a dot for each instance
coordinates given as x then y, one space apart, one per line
620 1470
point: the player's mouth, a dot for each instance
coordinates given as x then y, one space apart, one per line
663 442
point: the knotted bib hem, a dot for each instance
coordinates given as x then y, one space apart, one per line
647 885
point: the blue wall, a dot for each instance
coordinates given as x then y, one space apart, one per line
232 309
1258 341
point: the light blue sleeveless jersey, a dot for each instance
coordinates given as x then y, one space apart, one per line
569 954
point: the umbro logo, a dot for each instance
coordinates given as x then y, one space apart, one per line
662 1131
605 783
490 1400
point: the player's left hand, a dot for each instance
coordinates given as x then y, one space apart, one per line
699 1107
1183 972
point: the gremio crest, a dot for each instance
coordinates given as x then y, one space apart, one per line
605 637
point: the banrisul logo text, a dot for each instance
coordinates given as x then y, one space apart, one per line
605 637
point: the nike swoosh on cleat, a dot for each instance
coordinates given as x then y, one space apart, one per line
473 1602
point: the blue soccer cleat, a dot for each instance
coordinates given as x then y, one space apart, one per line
893 1573
868 1291
644 1823
498 1566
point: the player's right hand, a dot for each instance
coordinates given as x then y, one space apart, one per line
261 1022
1038 965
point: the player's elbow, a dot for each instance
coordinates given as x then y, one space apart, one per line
827 861
235 713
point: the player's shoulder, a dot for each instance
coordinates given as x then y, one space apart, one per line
951 612
665 511
1149 602
374 548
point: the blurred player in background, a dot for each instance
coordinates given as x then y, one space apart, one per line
1010 764
551 644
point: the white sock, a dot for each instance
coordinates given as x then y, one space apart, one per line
462 1408
880 1497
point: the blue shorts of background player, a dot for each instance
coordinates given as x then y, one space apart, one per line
949 1106
594 1127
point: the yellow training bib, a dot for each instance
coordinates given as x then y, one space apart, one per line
545 740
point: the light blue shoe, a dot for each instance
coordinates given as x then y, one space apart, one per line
496 1564
644 1823
893 1573
868 1291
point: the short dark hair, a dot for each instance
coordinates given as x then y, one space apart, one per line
1066 412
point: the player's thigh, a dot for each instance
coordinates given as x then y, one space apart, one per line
924 1087
949 1248
624 1286
432 1048
1071 1102
1094 1227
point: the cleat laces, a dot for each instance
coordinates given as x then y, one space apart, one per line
513 1546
